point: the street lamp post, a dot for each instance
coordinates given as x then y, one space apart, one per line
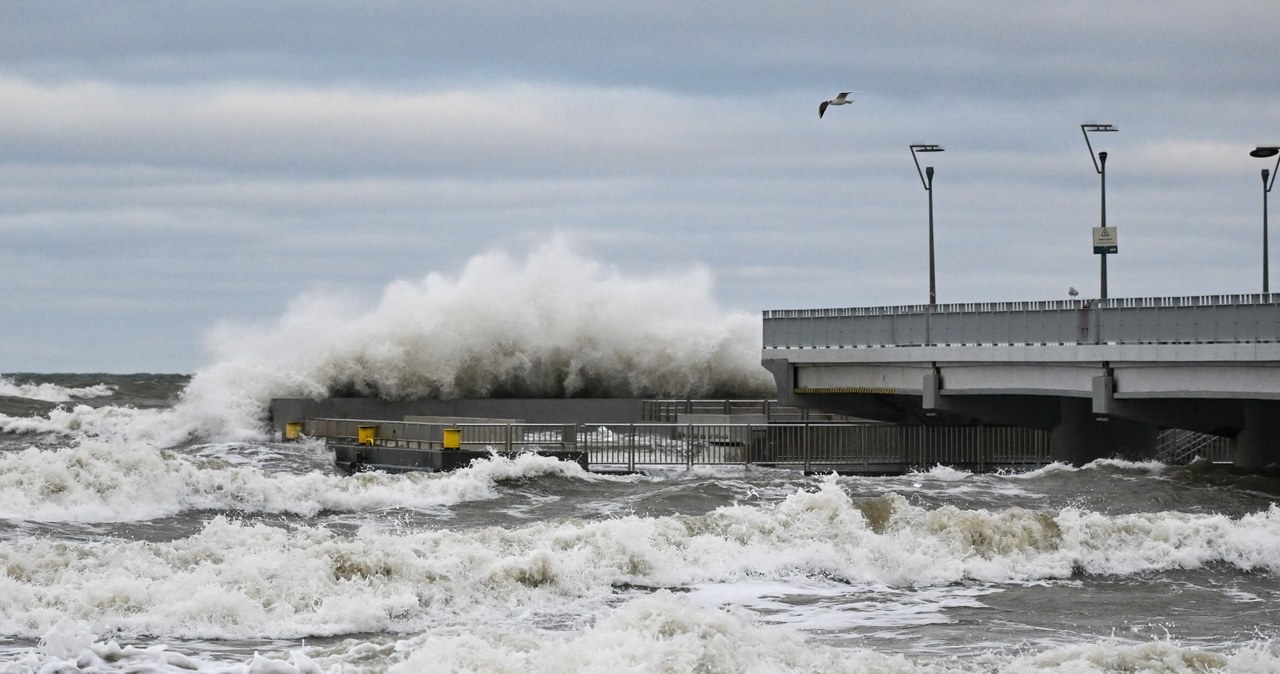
926 179
1100 166
1268 179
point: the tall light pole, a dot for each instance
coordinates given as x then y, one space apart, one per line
1268 179
926 179
1103 239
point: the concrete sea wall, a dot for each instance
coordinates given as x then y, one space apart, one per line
530 410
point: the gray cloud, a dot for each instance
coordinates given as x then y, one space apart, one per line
170 165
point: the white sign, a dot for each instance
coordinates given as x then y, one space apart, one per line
1105 241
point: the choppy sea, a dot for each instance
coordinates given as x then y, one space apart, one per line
131 540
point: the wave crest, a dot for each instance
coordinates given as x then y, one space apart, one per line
51 393
103 482
553 325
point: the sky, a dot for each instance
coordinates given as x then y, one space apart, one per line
169 167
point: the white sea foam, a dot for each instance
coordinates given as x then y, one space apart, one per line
1151 467
662 633
826 605
947 473
52 393
657 633
71 646
236 580
105 482
123 424
1144 468
1055 468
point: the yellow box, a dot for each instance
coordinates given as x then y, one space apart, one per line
366 435
293 430
452 438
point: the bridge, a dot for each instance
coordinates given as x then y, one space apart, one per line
1103 376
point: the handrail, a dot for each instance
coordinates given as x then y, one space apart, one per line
1030 305
1216 319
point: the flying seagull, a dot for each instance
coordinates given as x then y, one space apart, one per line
841 99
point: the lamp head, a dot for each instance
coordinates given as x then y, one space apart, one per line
926 176
1263 152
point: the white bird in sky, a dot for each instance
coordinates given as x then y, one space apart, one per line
841 99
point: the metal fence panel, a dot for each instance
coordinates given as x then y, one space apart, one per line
871 447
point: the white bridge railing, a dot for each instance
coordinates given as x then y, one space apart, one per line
1149 320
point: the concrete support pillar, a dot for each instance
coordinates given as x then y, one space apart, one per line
1258 444
784 377
1082 435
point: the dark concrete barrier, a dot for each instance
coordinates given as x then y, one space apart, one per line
531 410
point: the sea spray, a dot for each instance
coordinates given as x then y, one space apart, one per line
553 325
556 325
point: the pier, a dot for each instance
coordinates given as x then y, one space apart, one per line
865 448
1103 377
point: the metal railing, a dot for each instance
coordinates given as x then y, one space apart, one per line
810 446
633 445
422 435
1176 446
669 410
1150 320
880 447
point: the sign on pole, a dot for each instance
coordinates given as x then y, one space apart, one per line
1105 241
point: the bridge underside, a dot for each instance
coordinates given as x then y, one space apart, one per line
1093 410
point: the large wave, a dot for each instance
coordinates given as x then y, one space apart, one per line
552 325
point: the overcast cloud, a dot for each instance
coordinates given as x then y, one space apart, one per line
167 166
